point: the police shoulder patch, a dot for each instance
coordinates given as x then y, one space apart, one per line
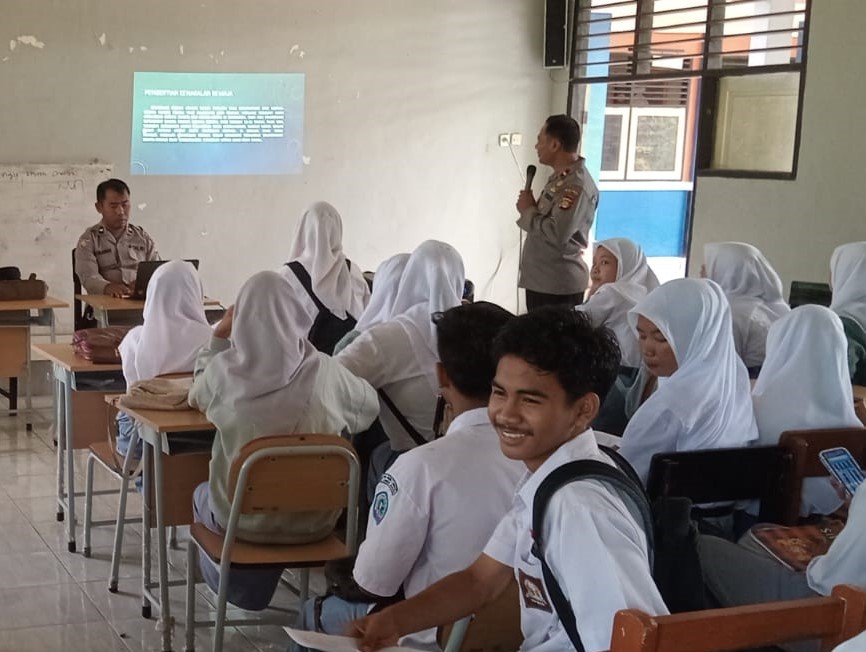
380 506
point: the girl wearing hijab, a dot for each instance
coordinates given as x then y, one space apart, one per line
386 281
318 251
620 278
398 355
168 341
807 360
268 380
754 291
702 400
848 280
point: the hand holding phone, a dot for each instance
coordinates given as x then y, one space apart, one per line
842 466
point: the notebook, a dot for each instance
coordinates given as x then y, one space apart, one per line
794 547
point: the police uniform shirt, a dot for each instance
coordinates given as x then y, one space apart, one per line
557 232
100 258
383 356
434 510
594 546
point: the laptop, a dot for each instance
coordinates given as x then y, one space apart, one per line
144 273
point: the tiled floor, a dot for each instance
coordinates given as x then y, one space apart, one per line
51 599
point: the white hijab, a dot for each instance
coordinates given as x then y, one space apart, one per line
386 282
804 384
318 246
267 376
432 282
609 305
705 403
848 280
743 272
174 326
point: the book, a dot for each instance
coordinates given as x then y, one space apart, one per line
794 547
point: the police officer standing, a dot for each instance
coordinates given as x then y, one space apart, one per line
552 270
108 253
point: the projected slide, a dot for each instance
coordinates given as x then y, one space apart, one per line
217 123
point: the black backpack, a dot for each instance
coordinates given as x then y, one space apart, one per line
327 329
672 537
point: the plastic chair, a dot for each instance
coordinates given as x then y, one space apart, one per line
277 475
832 619
805 445
725 474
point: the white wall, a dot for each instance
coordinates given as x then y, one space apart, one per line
798 223
404 101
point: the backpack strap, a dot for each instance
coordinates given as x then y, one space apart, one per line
404 422
620 479
307 282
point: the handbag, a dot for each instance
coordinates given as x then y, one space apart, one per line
21 289
99 345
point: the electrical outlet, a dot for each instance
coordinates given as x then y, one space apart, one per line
516 139
504 139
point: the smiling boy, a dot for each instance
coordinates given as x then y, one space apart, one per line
553 370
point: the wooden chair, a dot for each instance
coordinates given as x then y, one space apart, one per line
833 620
725 474
495 628
805 445
277 475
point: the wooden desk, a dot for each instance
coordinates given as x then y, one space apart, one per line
15 323
103 305
156 429
80 416
859 392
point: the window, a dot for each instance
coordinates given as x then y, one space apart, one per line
738 64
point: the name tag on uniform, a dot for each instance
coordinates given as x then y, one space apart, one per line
103 251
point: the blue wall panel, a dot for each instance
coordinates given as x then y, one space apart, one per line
655 219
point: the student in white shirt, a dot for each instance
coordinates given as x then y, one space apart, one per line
398 356
744 573
703 397
553 369
318 247
754 291
168 341
620 278
848 279
386 282
268 380
804 384
439 503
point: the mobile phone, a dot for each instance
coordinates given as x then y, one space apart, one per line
842 466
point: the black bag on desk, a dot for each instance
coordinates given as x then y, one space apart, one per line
327 329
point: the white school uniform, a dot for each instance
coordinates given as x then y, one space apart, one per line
754 291
845 561
848 279
856 644
318 246
399 356
706 402
804 384
434 510
595 548
609 305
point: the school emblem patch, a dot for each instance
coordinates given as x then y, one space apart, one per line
534 595
380 506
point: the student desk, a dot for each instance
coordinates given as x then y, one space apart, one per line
103 305
859 392
15 323
169 491
81 416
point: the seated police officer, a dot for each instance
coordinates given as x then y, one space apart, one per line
108 253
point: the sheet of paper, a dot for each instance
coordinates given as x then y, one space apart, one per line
330 643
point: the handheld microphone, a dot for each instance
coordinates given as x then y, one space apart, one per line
530 175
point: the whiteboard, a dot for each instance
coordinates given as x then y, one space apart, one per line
44 209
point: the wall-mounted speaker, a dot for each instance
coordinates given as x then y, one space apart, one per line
555 40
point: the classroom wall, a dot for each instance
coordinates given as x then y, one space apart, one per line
404 101
798 223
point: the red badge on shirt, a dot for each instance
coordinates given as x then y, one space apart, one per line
534 595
